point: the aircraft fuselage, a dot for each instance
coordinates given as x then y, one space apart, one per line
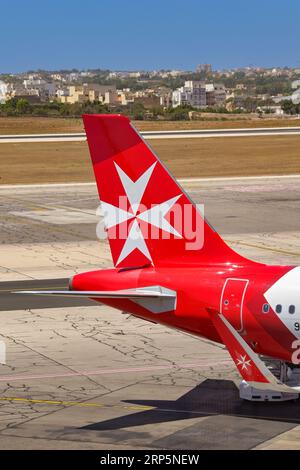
261 302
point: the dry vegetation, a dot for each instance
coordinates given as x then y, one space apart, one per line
31 125
38 125
70 162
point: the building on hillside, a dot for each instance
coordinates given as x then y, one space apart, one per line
206 68
134 74
58 77
87 92
165 100
199 95
215 94
45 90
17 90
210 95
62 91
220 94
4 91
165 96
193 93
125 97
72 77
175 73
112 98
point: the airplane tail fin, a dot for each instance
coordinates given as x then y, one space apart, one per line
149 218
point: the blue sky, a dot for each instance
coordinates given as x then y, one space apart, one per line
132 34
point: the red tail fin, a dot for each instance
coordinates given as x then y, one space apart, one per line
148 217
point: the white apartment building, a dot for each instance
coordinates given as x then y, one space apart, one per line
58 77
193 93
62 92
44 89
4 88
199 95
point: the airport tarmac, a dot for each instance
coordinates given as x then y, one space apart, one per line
149 135
83 376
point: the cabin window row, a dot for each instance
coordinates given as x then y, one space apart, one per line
278 308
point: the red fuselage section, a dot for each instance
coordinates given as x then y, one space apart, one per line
236 291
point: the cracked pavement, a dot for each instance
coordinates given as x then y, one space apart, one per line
89 377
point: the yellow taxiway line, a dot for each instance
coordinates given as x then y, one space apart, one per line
71 403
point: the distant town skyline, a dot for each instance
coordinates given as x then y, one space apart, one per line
147 71
119 35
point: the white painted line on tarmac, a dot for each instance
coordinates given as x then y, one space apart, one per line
36 140
46 185
165 132
175 134
221 134
180 180
237 178
231 129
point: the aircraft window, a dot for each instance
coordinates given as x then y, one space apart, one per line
278 308
292 309
226 302
265 308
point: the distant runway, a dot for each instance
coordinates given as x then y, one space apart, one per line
148 135
182 181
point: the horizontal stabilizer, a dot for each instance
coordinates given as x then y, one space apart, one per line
151 292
